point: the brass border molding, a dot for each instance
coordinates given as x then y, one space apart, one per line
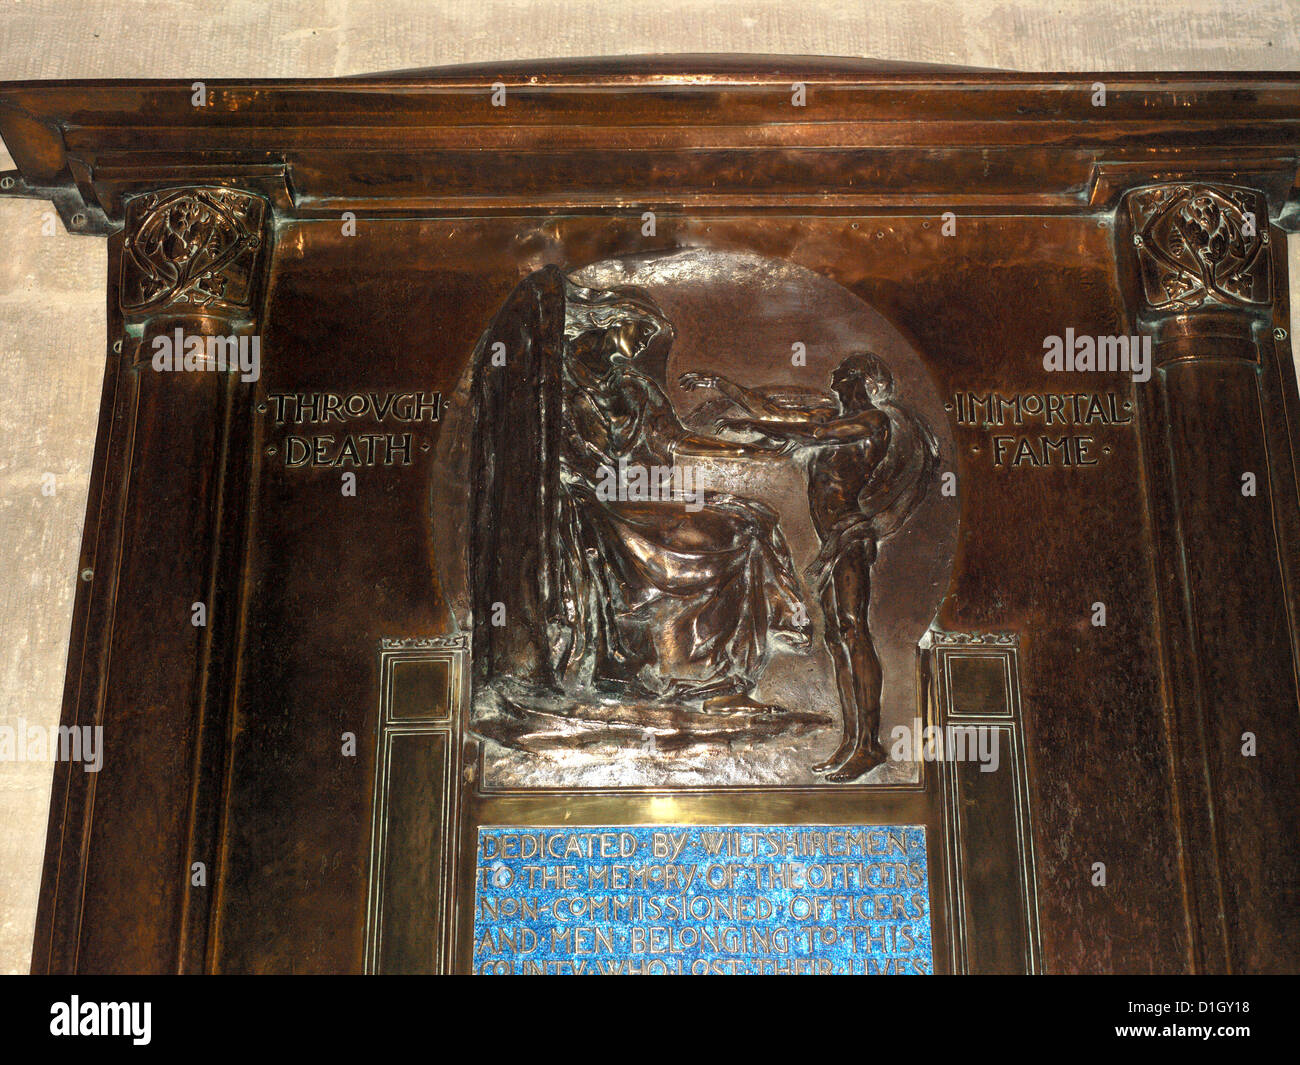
410 912
987 817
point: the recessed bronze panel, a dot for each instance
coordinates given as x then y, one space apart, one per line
640 451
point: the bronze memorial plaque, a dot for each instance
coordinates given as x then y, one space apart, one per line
683 515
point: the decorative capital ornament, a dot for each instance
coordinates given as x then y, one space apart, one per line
192 249
1201 246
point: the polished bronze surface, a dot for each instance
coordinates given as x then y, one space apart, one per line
651 603
790 443
872 462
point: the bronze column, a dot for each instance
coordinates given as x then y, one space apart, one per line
1202 262
131 893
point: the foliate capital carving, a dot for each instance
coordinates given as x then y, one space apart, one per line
193 250
1201 246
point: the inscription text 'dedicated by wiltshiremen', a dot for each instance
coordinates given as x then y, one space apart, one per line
699 899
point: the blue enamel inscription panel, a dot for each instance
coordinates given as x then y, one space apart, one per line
651 899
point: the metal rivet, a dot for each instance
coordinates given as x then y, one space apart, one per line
87 574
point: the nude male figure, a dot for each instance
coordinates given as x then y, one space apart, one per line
871 464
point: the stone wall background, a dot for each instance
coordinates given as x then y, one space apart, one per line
52 328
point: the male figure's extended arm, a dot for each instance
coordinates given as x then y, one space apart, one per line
700 446
864 427
756 404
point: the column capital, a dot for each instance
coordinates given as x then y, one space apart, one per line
195 250
1201 246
